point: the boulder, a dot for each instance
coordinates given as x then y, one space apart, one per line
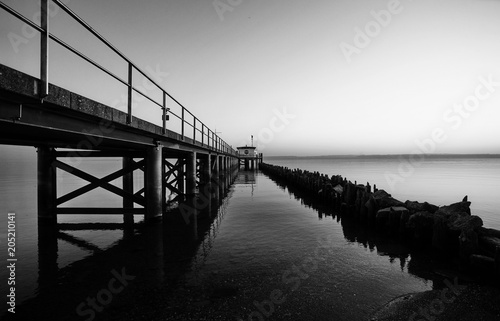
336 180
349 193
482 264
455 208
390 218
472 222
338 189
382 217
488 232
468 244
371 208
363 214
405 217
385 200
440 233
490 244
420 226
415 207
449 222
447 229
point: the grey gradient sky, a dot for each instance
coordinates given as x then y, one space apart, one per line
303 77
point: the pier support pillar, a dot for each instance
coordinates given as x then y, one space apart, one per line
191 174
180 176
128 186
206 171
47 186
215 178
215 166
154 184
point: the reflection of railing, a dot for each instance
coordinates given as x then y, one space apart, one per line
208 138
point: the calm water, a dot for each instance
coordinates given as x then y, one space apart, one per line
266 241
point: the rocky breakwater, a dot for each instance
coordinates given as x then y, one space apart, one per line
450 230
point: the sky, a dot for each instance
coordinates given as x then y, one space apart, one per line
319 77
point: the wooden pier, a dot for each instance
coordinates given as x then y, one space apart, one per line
67 128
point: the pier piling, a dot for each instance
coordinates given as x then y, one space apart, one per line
46 189
154 183
128 186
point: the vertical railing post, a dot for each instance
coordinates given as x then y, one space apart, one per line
44 49
129 93
202 133
194 130
182 124
164 123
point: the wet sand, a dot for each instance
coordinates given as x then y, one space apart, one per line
462 303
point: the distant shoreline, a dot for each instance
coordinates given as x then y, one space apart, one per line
387 156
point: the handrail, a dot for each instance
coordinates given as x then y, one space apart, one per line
213 141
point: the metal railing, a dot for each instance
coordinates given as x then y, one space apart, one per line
208 138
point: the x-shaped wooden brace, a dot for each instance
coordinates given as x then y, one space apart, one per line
100 182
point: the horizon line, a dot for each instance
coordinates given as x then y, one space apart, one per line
388 155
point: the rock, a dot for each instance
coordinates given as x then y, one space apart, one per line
336 180
468 244
371 209
421 225
395 216
382 217
449 221
489 244
460 207
415 207
444 238
364 210
345 209
488 232
472 222
405 216
497 261
358 202
350 193
385 200
338 189
389 218
482 264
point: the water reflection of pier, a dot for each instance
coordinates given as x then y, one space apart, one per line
247 177
157 255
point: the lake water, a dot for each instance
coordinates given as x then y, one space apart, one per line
265 243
